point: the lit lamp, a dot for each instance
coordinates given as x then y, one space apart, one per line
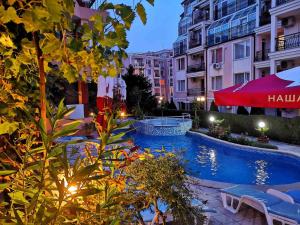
212 119
122 114
262 128
261 124
201 99
159 102
160 98
92 114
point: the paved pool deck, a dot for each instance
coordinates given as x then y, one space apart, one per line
209 191
281 145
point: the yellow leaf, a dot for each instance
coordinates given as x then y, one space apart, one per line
6 41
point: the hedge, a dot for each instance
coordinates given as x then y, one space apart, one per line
281 129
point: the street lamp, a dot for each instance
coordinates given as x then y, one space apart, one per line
161 98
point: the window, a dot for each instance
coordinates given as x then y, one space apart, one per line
242 50
156 83
181 85
171 82
148 61
216 83
240 78
217 55
149 72
181 64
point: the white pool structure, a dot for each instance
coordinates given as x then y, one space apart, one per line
164 126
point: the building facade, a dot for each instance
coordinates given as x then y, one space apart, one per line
157 67
225 42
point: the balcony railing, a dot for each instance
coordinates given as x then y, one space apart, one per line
194 43
195 92
262 55
232 33
139 64
242 30
180 51
281 2
200 18
196 68
288 42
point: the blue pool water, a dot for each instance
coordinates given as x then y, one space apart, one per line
207 159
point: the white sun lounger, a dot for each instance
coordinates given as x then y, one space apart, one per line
278 207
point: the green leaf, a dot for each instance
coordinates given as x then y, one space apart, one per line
3 186
17 216
151 2
84 172
40 214
54 8
67 129
141 12
7 172
55 152
87 192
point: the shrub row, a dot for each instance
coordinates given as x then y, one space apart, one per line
281 129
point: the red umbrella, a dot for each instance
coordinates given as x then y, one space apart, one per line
281 90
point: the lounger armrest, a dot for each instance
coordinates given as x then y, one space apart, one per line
283 196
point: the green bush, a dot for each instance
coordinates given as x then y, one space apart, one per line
281 129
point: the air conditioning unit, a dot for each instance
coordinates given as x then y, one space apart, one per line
288 21
217 66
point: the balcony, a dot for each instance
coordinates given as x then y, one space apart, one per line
262 55
281 2
195 92
198 18
265 18
288 42
231 34
180 51
242 30
194 43
196 68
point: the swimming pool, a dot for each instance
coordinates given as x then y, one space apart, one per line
208 159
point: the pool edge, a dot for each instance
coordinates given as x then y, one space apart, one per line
280 151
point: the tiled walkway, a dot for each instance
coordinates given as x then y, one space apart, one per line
246 216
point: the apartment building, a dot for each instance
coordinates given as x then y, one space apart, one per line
230 46
277 44
180 56
226 42
157 67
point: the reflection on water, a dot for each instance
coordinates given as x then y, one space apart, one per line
261 172
208 156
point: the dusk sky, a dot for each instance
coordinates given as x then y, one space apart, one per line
161 29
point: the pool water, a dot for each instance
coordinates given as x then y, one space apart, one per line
206 159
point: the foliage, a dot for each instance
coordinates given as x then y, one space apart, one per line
216 129
162 179
44 36
213 107
139 93
170 105
53 184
